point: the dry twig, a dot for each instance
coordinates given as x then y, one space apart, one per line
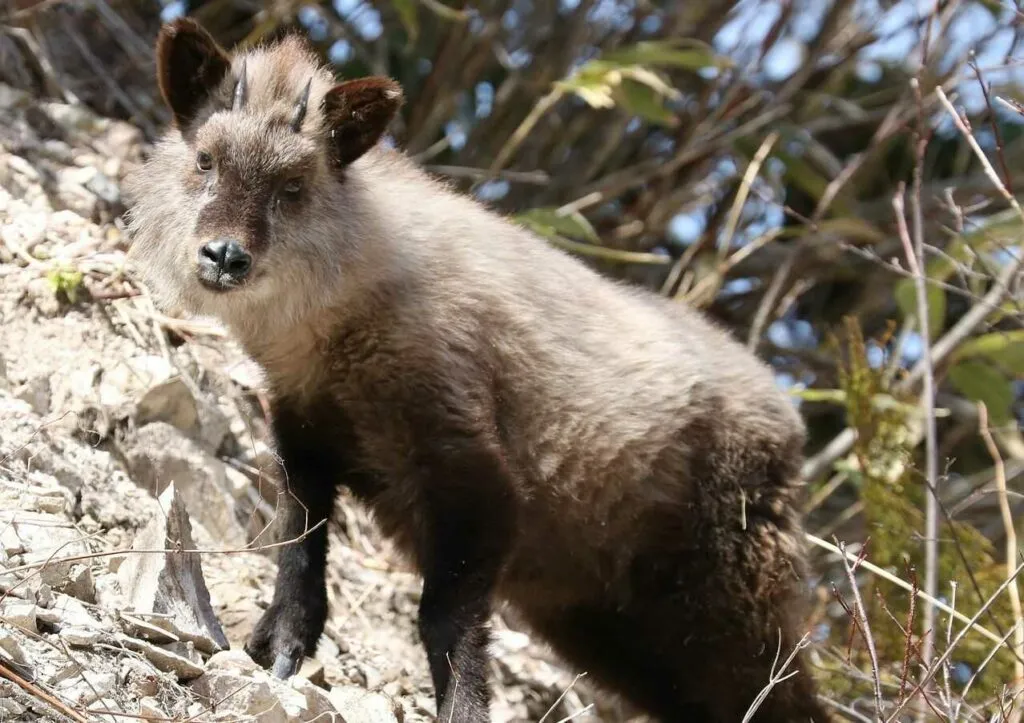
1011 554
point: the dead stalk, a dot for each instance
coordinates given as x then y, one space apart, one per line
164 551
774 677
36 692
956 641
971 623
915 260
1011 554
862 623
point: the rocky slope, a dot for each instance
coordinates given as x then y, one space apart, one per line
128 439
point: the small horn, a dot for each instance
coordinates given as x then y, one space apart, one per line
300 108
241 90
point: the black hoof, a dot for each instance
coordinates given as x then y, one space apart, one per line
285 665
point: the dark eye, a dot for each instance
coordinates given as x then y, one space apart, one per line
204 161
291 189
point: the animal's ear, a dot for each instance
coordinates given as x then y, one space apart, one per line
189 66
357 112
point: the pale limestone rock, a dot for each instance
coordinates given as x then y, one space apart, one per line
171 583
359 705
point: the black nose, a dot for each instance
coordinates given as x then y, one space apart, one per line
227 256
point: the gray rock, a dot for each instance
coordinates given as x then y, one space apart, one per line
312 703
12 708
163 659
128 380
104 188
105 705
312 670
84 687
79 583
10 541
19 613
80 636
359 705
238 483
316 703
241 696
214 426
150 709
74 392
172 583
44 596
232 661
36 393
42 537
161 453
139 678
10 648
172 402
159 631
43 297
69 611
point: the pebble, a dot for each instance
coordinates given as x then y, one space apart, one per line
10 648
164 659
19 614
80 636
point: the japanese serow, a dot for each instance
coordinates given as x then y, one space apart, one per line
610 464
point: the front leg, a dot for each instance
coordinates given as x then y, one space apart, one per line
470 513
291 626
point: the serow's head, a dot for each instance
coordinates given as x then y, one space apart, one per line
244 199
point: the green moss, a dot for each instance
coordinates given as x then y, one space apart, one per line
892 490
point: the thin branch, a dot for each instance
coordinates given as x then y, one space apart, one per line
967 323
888 576
774 678
516 139
915 260
182 551
960 636
1011 552
862 623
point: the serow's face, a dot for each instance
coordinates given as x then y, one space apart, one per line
252 187
240 203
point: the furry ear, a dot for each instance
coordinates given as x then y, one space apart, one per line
189 65
357 112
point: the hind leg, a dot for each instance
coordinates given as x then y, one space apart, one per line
620 657
679 668
721 611
696 630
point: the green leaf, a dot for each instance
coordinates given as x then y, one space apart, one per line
906 298
679 53
1004 348
66 280
981 382
601 84
881 402
591 84
547 222
837 396
606 254
406 11
642 100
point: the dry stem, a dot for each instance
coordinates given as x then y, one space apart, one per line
1011 554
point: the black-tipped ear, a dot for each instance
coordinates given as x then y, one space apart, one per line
358 112
189 66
